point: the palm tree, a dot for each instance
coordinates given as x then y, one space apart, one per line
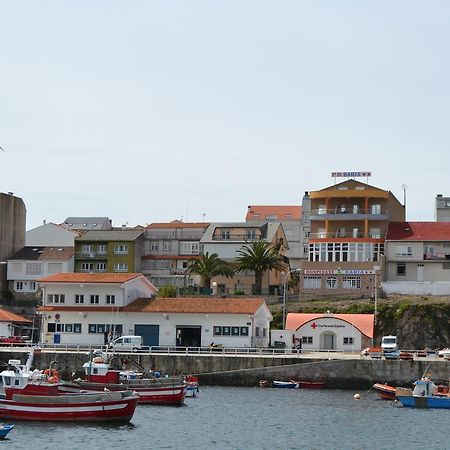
209 266
259 256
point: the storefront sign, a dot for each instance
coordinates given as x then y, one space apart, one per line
350 174
338 272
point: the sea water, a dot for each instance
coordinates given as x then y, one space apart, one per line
253 418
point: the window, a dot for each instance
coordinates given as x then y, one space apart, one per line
87 248
121 249
120 267
403 250
79 298
312 282
376 209
95 299
110 299
56 298
101 328
250 234
348 340
100 267
226 331
230 331
69 328
189 248
401 269
217 331
77 327
331 283
307 339
167 246
19 285
33 268
102 249
54 268
51 327
351 282
234 331
244 331
225 234
87 267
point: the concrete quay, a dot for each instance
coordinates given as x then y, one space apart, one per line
339 370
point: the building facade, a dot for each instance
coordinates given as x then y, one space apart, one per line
50 235
442 209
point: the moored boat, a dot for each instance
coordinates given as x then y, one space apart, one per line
285 384
384 391
29 396
192 386
424 395
155 390
311 384
5 429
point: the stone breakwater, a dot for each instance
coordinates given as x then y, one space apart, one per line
357 373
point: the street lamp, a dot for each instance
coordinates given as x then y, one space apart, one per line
284 294
375 298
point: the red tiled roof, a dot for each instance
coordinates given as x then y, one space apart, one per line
8 316
259 212
178 224
418 231
79 277
80 308
196 305
363 322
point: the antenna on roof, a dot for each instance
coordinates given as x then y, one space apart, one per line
203 215
404 187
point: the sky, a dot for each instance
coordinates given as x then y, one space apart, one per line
150 111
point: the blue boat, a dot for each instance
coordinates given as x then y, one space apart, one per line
424 395
286 384
4 430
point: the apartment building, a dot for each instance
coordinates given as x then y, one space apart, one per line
442 209
167 249
348 224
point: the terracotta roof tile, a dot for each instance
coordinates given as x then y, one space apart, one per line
196 305
8 316
90 277
363 322
260 212
418 231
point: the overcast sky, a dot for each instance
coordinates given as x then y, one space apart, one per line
149 111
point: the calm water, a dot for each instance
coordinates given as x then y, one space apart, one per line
254 418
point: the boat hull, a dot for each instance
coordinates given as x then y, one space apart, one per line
165 394
91 411
424 402
311 384
285 384
4 430
384 391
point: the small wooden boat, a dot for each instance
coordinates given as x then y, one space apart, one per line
384 391
311 384
5 429
285 384
424 395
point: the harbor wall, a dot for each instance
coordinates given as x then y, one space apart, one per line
248 371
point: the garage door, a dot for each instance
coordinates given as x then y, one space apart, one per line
149 333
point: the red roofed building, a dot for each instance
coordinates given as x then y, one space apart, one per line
12 324
336 332
417 258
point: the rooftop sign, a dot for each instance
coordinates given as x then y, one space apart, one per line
350 174
338 272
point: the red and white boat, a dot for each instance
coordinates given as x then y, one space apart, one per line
29 396
155 391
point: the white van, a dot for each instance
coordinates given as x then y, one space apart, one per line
130 343
389 344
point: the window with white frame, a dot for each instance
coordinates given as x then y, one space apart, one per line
167 246
351 282
403 250
312 282
154 246
100 267
401 269
110 299
331 283
121 249
87 267
348 340
79 298
56 298
250 234
87 248
225 234
189 248
102 249
19 286
120 267
95 299
307 339
33 268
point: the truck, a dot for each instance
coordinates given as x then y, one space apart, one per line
389 344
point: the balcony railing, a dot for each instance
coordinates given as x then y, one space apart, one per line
339 234
237 237
91 255
436 256
348 211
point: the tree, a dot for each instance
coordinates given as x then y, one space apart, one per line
259 256
209 266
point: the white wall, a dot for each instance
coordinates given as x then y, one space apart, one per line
50 235
417 288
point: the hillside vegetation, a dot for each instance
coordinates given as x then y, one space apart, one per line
419 322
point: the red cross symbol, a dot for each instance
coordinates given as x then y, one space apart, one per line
314 325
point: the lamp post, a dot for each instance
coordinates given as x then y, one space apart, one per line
375 298
284 294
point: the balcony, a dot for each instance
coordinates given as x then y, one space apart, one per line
436 256
348 214
91 255
344 235
236 237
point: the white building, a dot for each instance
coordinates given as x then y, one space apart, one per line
83 308
12 324
50 235
338 332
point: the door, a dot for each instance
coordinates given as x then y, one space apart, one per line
57 339
328 341
189 336
149 334
419 272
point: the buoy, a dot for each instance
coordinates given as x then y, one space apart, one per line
356 396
